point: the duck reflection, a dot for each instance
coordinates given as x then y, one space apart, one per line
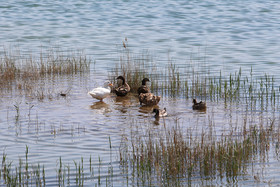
156 121
101 107
147 109
124 101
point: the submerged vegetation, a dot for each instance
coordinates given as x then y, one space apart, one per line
196 80
173 156
15 66
164 155
178 156
76 173
29 74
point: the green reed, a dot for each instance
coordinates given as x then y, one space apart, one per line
194 80
13 65
25 173
133 68
173 157
17 111
22 174
29 74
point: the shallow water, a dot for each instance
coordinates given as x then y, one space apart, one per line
78 126
221 35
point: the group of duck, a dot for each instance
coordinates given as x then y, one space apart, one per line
144 95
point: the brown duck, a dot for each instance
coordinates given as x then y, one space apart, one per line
144 88
123 89
148 99
198 106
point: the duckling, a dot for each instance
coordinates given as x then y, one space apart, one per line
123 89
198 106
160 113
101 92
148 99
144 88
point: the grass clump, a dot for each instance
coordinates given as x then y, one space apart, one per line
29 174
134 68
195 79
23 174
176 157
30 74
17 66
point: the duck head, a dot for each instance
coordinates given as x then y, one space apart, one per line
145 80
194 101
121 78
156 111
108 84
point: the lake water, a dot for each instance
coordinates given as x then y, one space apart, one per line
224 35
228 34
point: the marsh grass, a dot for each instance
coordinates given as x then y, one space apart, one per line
26 172
30 74
23 174
134 68
176 157
169 157
76 173
196 80
50 62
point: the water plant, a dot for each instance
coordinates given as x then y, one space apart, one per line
192 80
29 74
174 157
168 156
22 174
17 111
26 173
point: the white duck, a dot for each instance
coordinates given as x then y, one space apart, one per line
101 92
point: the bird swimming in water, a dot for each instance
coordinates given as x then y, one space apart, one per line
144 88
160 113
123 89
198 106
